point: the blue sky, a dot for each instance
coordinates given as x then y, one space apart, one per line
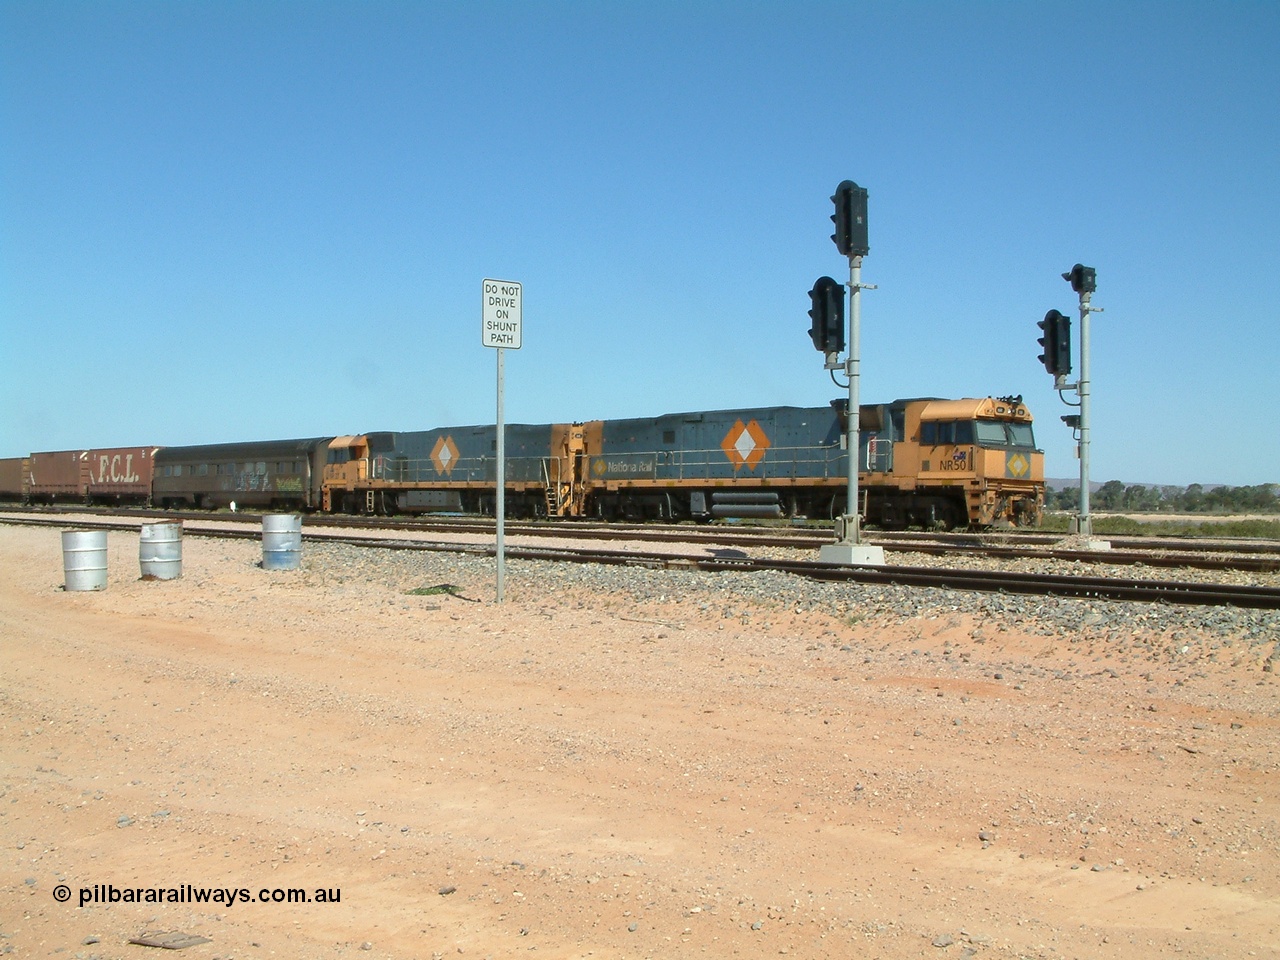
226 221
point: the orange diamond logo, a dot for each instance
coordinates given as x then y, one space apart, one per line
444 455
745 445
1018 466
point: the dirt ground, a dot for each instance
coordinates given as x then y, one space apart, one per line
577 773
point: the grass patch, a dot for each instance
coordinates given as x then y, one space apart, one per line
1127 526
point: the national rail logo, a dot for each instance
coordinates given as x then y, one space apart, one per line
444 455
1017 466
745 444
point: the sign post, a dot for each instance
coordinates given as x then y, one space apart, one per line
500 328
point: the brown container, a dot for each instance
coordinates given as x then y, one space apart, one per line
57 475
119 474
13 478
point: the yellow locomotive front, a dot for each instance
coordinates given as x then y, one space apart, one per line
977 455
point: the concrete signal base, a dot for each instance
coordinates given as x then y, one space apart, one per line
851 554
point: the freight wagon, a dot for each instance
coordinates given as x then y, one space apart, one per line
113 476
120 475
55 475
13 479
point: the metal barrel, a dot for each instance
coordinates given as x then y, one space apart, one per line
84 559
160 550
281 541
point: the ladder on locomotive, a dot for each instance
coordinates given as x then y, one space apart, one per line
551 486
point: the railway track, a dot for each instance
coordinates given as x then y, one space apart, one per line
1254 556
999 581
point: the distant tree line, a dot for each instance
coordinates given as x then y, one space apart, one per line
1114 496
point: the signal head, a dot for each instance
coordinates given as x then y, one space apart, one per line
850 219
1056 343
827 313
1082 279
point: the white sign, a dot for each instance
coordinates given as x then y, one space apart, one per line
501 325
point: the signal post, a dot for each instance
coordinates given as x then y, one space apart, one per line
1057 360
850 219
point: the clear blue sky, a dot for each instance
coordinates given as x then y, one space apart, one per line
256 220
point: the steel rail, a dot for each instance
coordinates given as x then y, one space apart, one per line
1004 582
1186 592
1153 553
989 581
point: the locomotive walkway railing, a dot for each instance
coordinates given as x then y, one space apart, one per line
777 463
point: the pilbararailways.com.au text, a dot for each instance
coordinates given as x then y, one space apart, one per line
101 893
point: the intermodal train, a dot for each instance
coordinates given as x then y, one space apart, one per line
925 462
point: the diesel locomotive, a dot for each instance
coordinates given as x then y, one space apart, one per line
922 462
925 462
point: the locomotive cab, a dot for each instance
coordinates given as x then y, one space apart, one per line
982 458
348 470
346 465
347 460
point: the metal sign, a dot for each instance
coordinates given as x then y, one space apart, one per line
500 328
501 325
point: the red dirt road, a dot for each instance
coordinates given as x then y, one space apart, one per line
583 773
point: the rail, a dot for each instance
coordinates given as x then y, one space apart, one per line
996 581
